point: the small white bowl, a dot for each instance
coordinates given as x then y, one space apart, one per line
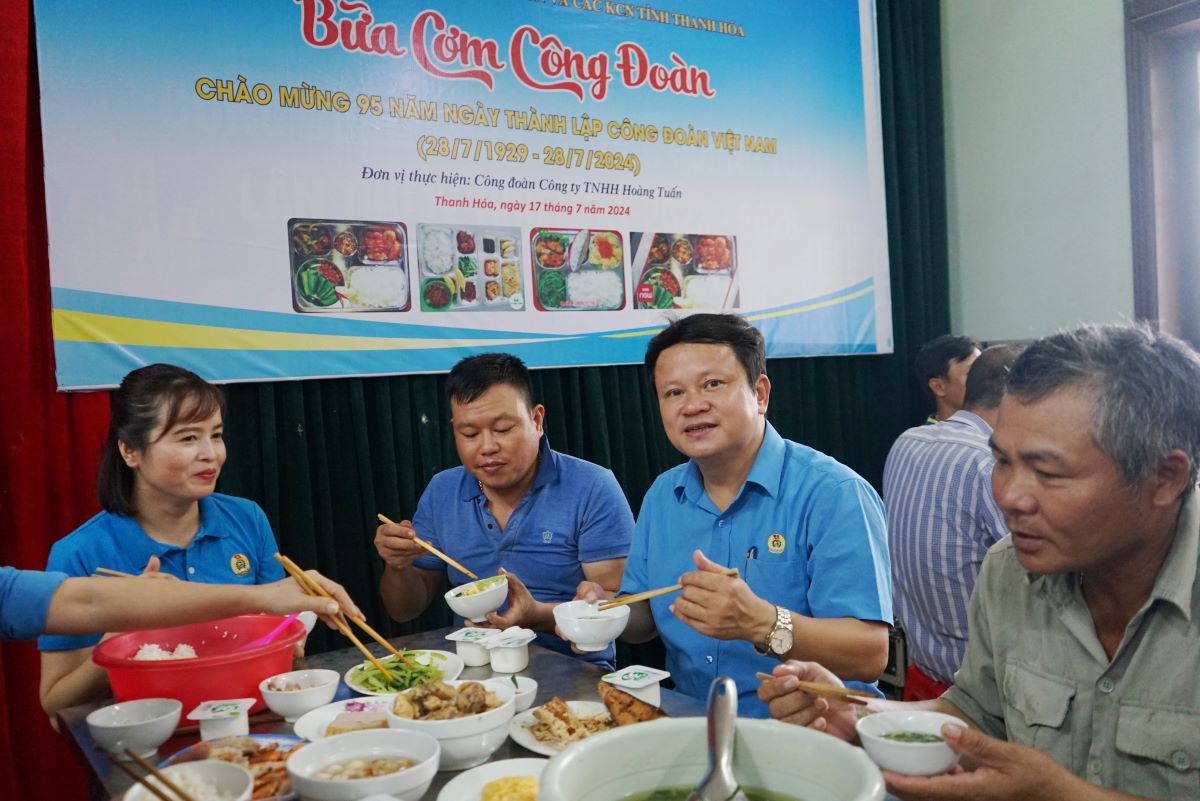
589 628
475 607
317 688
406 785
526 691
510 659
466 742
232 781
472 653
141 726
915 759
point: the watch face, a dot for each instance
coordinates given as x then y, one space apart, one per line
781 642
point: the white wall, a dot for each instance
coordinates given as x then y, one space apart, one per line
1037 165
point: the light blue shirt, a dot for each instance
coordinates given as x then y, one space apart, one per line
818 532
25 601
233 546
942 518
573 513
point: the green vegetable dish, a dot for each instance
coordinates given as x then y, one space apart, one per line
682 793
551 289
368 677
911 737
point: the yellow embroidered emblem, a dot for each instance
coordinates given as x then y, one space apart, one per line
776 543
239 564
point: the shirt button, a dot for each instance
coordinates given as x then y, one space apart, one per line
1094 767
1180 760
721 522
191 571
1106 685
708 659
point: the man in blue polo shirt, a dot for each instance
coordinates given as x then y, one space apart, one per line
805 533
548 519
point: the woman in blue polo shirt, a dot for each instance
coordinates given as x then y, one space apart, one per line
158 470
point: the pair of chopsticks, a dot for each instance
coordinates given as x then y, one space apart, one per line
613 603
313 588
179 794
104 571
827 690
384 519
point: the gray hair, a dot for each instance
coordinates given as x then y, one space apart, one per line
1147 391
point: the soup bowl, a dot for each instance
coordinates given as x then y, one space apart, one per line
409 784
785 760
467 741
913 758
590 629
474 600
141 726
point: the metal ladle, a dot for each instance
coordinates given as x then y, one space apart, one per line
719 784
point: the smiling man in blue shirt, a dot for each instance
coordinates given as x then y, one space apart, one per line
548 519
805 532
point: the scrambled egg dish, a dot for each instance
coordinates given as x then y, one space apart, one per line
511 788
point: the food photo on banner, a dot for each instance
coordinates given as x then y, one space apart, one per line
356 187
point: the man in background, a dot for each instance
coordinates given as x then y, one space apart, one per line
942 518
941 366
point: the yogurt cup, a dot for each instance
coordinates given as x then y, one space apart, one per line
224 718
467 644
639 681
510 659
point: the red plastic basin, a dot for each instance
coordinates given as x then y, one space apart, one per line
217 671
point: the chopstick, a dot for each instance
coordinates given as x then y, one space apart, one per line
384 519
156 773
827 690
613 603
104 571
312 588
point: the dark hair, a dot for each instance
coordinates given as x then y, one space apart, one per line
935 357
988 375
713 329
475 375
151 397
1147 385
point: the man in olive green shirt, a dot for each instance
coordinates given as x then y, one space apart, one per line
1083 657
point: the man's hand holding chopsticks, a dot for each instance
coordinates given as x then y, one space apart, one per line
397 544
787 702
716 602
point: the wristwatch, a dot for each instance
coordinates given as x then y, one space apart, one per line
779 639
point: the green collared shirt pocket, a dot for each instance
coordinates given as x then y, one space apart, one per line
1037 705
1165 744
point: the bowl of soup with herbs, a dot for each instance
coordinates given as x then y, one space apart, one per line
664 759
908 741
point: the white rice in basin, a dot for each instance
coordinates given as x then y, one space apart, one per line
152 651
594 289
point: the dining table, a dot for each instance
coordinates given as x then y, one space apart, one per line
568 677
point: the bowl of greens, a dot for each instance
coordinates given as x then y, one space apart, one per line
426 666
908 741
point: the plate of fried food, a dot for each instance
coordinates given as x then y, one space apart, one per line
551 727
264 755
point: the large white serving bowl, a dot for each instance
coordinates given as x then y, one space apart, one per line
475 607
467 742
589 628
142 725
318 686
915 759
232 781
407 785
790 760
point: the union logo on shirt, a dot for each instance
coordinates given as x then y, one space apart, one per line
239 563
776 543
547 536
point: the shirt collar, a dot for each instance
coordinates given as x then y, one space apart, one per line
1175 582
970 419
207 507
766 472
547 473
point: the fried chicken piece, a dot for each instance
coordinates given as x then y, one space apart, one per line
626 709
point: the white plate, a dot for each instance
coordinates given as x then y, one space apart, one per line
518 728
468 785
283 741
311 725
450 665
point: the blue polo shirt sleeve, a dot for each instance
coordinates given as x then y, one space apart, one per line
607 525
848 562
25 597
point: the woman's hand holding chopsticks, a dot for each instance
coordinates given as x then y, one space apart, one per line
288 595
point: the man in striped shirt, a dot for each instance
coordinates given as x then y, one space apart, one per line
942 518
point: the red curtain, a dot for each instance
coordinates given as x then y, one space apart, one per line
50 441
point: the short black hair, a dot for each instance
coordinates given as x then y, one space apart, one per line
157 395
713 329
475 375
988 375
935 357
